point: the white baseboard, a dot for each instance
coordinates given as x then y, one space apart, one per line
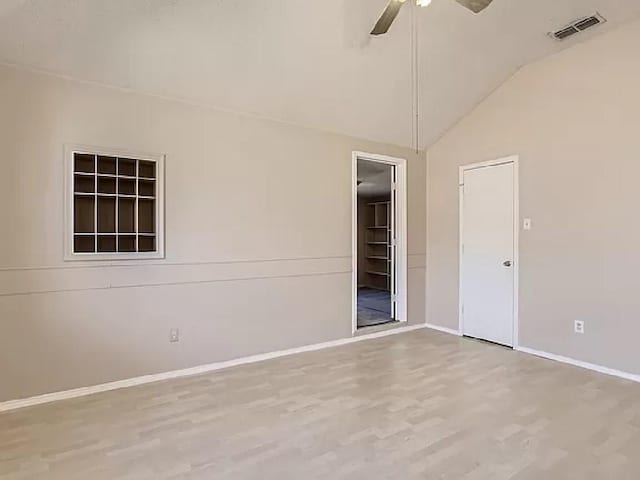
581 364
557 358
131 382
450 331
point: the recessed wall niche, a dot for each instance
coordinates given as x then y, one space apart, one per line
114 205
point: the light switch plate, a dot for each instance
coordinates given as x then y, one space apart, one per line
174 335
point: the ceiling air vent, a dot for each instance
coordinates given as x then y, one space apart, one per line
578 26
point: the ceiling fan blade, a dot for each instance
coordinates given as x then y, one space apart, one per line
388 16
476 6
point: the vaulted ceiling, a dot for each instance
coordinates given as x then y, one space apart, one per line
305 62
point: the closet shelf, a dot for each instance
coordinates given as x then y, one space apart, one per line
377 265
114 234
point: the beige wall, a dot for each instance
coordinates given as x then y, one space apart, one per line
574 120
258 220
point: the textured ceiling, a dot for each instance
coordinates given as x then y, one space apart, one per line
305 62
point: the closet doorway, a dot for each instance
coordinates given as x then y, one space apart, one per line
379 240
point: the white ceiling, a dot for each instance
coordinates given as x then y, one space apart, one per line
306 62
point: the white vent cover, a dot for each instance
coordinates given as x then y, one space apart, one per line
578 26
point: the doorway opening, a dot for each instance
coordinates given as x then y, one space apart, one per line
379 241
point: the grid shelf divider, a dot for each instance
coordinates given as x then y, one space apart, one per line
120 190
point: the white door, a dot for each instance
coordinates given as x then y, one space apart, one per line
393 246
488 279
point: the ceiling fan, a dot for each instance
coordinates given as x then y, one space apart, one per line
393 7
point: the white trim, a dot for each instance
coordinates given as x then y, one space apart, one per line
450 331
516 252
83 391
159 159
514 159
581 364
354 243
401 237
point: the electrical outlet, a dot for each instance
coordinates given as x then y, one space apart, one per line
578 326
174 335
526 224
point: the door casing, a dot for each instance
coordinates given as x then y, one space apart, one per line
514 159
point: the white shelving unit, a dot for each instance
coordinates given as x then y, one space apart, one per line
378 245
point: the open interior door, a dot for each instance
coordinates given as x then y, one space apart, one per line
393 246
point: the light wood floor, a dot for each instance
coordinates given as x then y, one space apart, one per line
419 405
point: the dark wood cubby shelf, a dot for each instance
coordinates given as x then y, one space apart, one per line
114 204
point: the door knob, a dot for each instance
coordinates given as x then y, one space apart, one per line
507 263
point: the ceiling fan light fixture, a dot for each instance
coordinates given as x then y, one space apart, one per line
393 8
